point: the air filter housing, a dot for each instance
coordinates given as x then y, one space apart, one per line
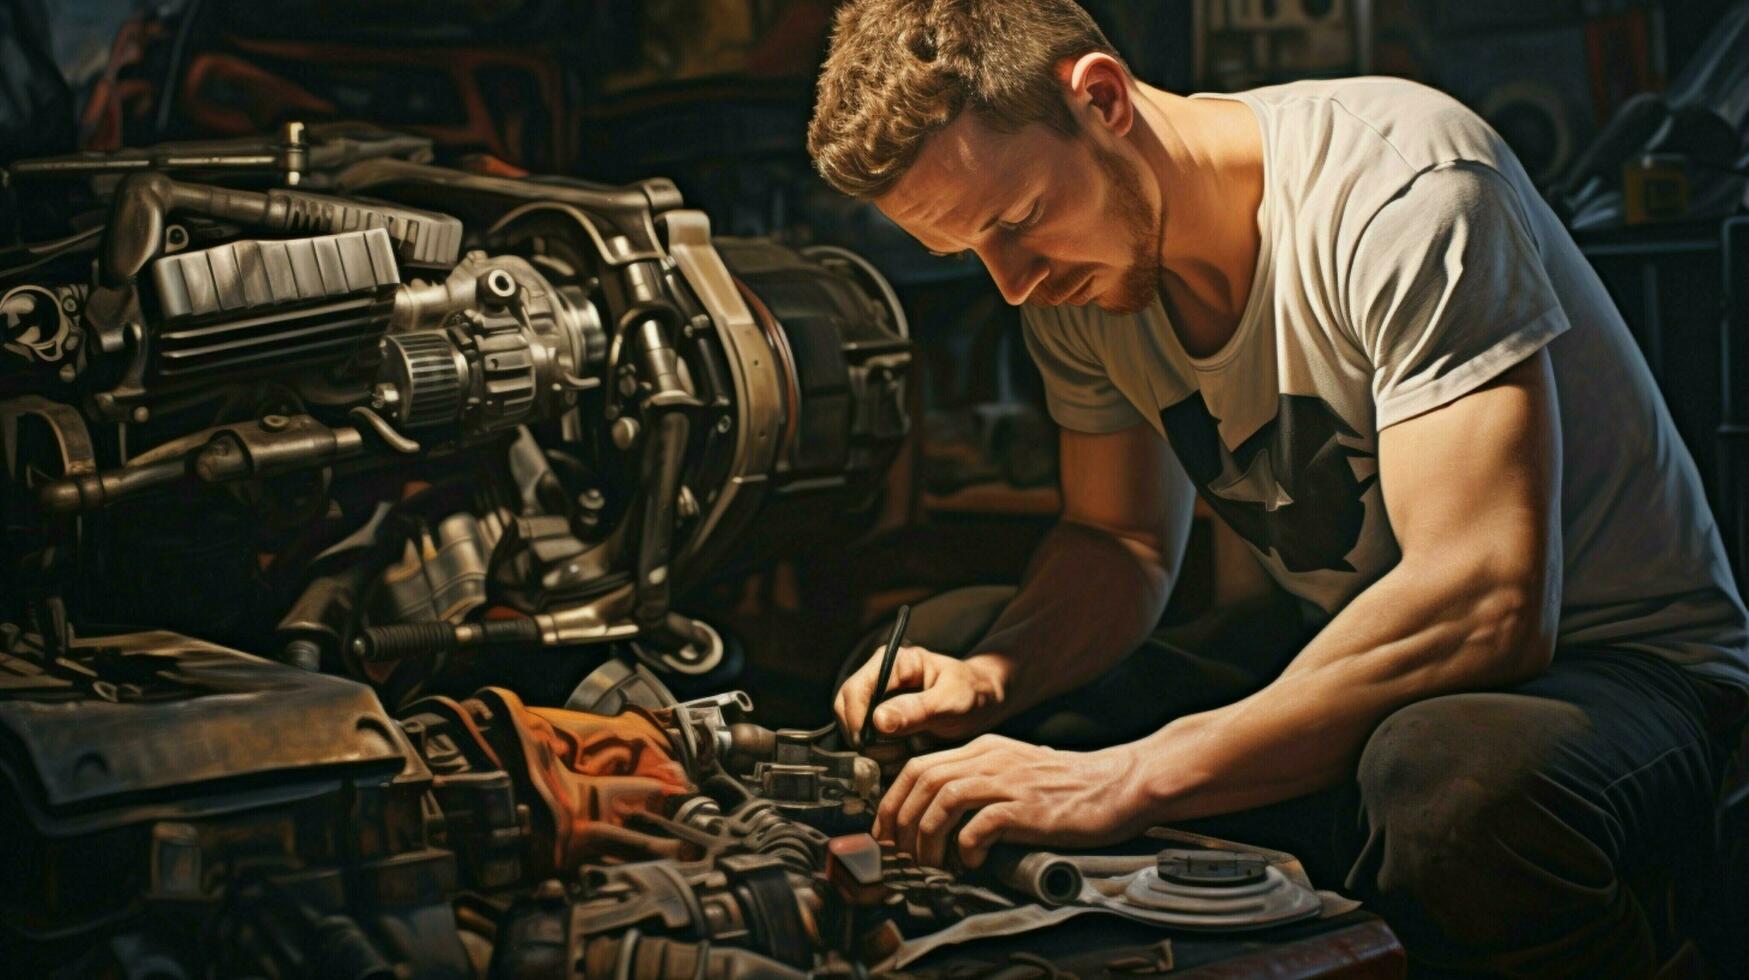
254 305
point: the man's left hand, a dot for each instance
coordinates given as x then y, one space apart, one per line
1020 793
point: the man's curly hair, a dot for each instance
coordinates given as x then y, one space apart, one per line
899 70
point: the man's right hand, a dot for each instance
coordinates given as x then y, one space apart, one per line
1091 593
942 696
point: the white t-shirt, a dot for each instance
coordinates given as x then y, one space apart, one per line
1406 260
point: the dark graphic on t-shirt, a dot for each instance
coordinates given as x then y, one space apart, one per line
1290 489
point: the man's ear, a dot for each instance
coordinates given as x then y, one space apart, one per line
1098 85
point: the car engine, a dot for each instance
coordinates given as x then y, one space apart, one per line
347 501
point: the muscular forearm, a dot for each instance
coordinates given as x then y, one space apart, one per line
1472 493
1418 632
1472 490
1087 600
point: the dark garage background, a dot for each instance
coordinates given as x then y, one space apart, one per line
1631 113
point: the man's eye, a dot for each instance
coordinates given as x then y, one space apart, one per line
949 255
1026 222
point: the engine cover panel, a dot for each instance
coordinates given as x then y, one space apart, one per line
156 717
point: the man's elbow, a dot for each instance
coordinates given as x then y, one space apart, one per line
1514 620
1147 547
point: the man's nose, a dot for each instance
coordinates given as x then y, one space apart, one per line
1017 272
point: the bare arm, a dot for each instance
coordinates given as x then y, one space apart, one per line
1472 491
1100 579
1094 588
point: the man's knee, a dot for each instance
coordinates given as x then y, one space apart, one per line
1468 823
1450 761
1458 773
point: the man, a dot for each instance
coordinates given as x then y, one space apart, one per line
1341 312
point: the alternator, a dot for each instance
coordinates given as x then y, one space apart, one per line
501 345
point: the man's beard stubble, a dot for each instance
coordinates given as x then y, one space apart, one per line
1140 283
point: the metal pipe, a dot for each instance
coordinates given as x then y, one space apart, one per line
1045 877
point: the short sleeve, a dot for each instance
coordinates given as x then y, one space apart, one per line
1078 390
1447 290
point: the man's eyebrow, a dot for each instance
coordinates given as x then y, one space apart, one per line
997 217
986 226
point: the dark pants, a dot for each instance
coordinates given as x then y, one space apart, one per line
1537 831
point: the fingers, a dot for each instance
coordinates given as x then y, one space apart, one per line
886 825
945 706
852 702
902 814
929 784
996 789
984 830
944 815
852 699
908 714
925 817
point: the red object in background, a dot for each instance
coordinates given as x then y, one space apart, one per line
482 95
255 100
1618 51
487 165
113 100
795 43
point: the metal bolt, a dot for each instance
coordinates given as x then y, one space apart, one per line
141 413
67 373
274 423
303 653
296 153
496 288
724 424
686 504
624 432
208 463
589 505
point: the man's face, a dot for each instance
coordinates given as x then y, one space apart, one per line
1054 219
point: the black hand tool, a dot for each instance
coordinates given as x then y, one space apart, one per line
886 674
